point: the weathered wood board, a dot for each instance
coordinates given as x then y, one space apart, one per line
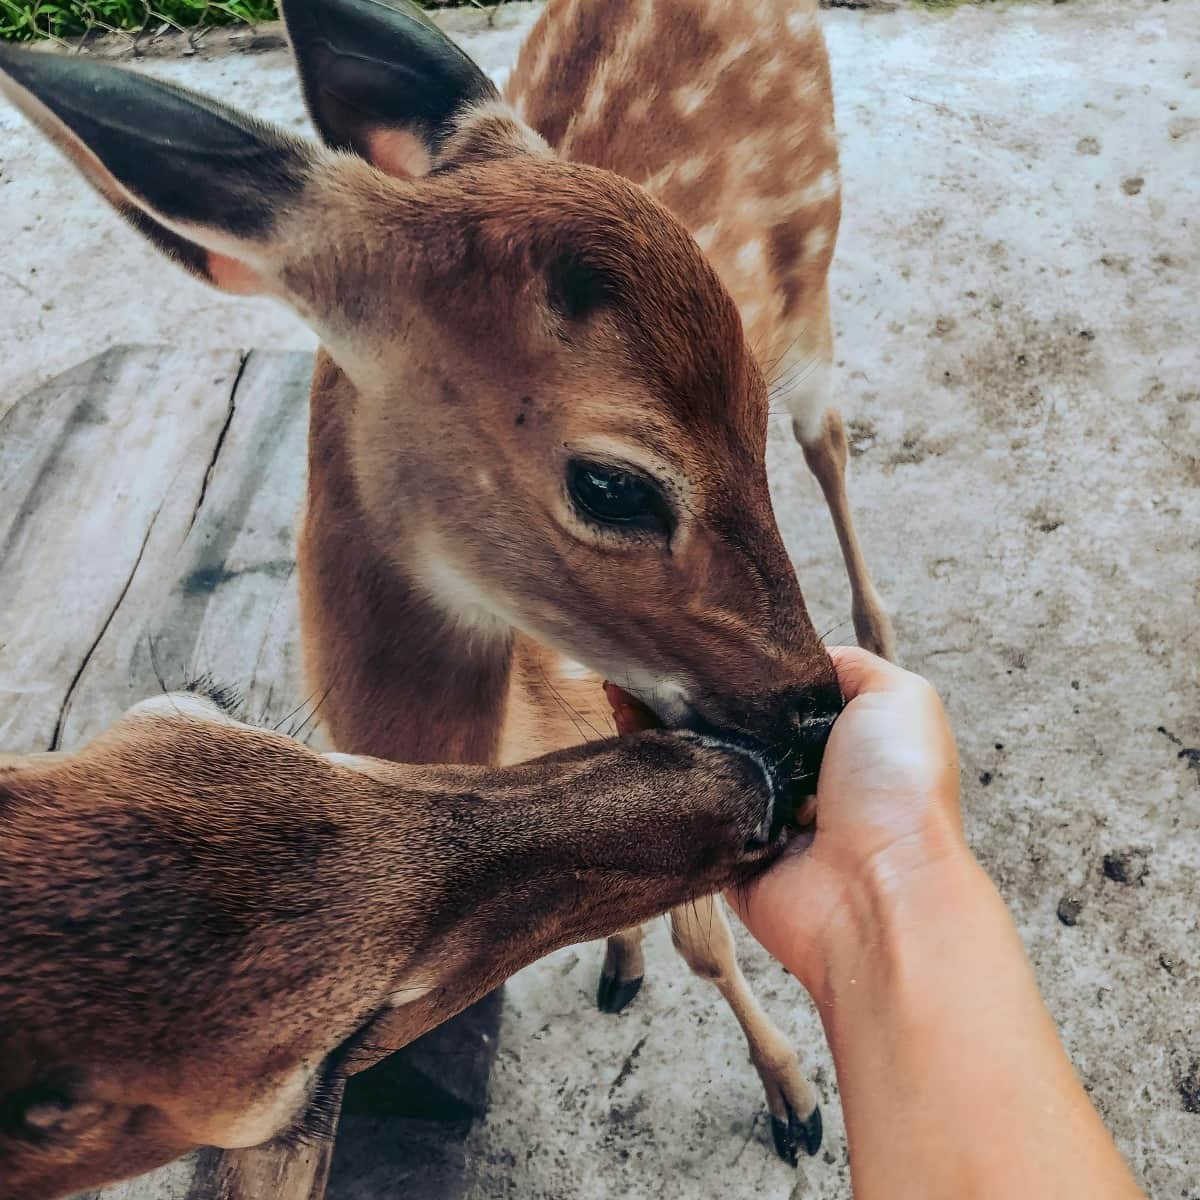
148 500
147 506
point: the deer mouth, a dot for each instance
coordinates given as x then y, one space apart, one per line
793 775
629 713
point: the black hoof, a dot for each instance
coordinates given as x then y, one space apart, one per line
615 994
793 1134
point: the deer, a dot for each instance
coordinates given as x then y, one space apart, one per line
202 922
540 405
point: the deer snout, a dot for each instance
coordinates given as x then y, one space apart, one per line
767 787
786 732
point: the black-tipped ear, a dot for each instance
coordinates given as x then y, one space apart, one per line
381 79
164 157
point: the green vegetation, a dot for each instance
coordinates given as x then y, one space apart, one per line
24 19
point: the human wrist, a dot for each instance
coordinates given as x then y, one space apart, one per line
878 914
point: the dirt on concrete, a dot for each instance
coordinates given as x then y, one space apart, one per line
1015 294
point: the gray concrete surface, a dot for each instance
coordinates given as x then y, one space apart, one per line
1016 303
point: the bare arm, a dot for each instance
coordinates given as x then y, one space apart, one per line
952 1076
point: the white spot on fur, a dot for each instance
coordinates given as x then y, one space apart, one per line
355 762
592 109
462 601
181 706
816 242
692 169
639 32
824 188
801 24
706 235
409 994
807 89
570 669
734 51
688 100
807 394
655 183
751 258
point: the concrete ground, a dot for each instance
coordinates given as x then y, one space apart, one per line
1016 302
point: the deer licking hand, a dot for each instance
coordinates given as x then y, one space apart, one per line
539 414
202 923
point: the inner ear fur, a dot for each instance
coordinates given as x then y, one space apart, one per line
203 182
381 80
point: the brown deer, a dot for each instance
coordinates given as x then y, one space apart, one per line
539 416
201 922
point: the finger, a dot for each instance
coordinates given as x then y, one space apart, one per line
860 671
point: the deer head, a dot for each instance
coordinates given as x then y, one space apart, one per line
554 422
201 921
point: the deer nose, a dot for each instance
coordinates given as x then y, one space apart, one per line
809 721
786 734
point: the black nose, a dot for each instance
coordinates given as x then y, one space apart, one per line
787 732
811 719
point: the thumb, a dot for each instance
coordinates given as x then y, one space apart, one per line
860 671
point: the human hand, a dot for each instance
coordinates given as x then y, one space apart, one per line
887 815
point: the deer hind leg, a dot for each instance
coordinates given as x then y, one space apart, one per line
624 966
819 430
702 936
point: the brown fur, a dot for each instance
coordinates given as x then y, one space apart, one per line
608 280
195 915
666 366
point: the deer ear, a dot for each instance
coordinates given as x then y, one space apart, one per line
202 182
381 79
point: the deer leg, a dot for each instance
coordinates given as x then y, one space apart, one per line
819 430
624 966
702 936
826 453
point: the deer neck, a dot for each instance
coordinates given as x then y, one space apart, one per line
393 677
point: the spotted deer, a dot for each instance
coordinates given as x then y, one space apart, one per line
201 922
539 413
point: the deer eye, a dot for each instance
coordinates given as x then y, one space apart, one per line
613 496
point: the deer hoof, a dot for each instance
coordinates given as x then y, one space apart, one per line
794 1134
615 994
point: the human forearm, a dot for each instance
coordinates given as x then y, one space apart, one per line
953 1079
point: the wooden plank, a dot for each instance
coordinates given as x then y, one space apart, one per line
215 592
90 465
148 500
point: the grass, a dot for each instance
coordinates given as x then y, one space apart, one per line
24 20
